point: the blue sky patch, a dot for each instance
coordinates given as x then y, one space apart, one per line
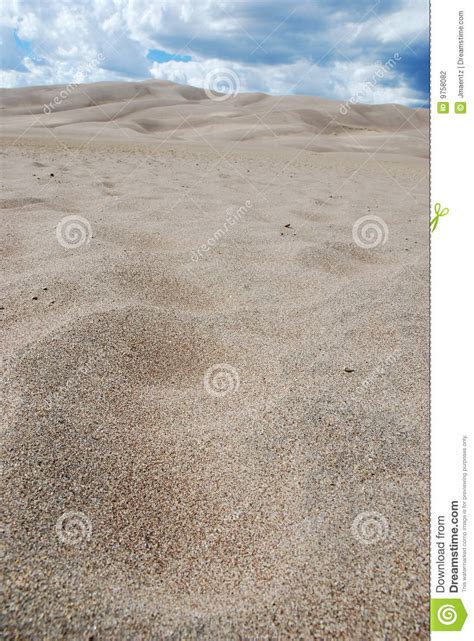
157 55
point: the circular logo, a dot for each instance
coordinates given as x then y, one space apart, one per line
73 231
221 84
369 232
73 527
221 379
370 527
447 614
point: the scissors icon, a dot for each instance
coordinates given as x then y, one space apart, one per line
438 213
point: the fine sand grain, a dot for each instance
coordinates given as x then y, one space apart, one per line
216 383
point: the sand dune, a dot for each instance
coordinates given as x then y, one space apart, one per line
212 385
171 112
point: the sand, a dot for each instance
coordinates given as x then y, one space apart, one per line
215 398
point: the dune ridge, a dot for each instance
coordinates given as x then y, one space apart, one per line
165 110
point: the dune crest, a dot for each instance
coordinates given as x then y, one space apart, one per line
168 111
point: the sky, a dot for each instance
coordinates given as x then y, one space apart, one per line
371 51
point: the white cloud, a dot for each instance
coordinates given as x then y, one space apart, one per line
320 47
